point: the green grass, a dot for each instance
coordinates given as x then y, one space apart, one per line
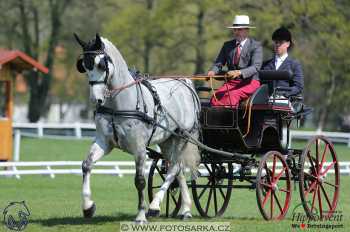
74 150
55 203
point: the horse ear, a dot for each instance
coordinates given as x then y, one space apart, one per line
99 43
82 43
80 66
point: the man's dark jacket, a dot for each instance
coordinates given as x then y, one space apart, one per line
250 59
296 84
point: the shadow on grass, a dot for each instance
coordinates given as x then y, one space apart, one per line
227 218
97 220
82 221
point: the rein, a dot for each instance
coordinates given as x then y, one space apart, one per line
194 77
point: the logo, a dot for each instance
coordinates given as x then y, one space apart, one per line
329 220
16 216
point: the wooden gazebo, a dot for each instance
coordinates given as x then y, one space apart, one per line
11 61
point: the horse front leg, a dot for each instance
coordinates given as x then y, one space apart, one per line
140 183
96 152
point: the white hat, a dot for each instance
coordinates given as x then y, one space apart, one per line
241 21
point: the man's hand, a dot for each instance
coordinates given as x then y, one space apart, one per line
211 73
234 73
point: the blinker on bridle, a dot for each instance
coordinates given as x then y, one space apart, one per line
87 61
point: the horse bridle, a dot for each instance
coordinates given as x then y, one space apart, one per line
102 65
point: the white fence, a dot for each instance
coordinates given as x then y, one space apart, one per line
87 130
118 168
52 168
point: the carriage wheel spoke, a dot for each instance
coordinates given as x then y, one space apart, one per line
313 200
326 196
319 201
222 193
167 203
208 202
174 199
209 170
278 202
317 152
333 185
312 186
271 205
215 202
323 158
273 168
280 174
159 172
266 197
201 194
308 174
327 168
311 162
268 174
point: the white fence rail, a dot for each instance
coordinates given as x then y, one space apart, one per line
118 168
336 137
52 168
87 130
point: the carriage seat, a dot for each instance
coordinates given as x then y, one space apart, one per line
276 93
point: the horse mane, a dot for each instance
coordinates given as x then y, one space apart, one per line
117 58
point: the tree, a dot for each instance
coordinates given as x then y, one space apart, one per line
32 18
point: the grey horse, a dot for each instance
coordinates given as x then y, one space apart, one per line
131 116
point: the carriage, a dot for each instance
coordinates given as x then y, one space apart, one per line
250 149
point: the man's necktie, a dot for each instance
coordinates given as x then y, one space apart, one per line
237 54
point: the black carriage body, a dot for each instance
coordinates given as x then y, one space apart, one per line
238 131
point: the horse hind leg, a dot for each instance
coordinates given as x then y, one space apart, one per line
154 207
96 152
185 211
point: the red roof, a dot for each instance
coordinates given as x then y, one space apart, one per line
20 60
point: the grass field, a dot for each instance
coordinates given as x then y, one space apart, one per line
55 203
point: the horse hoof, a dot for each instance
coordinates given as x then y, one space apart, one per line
88 213
140 222
185 216
153 213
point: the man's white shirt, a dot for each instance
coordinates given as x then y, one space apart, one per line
279 60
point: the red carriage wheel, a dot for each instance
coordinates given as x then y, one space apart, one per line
319 178
273 186
156 177
212 189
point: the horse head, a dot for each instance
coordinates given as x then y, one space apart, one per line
97 64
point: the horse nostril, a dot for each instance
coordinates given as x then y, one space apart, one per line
99 101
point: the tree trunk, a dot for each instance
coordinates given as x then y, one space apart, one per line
200 45
327 107
40 86
148 43
147 55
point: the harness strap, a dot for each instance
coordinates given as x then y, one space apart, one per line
126 114
135 115
114 132
157 106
